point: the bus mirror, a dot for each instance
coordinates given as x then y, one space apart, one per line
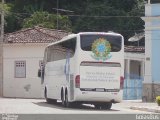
39 72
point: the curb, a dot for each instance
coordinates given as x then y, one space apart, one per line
155 110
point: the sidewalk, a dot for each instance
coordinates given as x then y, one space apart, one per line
139 105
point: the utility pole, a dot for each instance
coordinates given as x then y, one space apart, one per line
1 50
57 12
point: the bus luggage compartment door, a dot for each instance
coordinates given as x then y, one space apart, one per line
100 77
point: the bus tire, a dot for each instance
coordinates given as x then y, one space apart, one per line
45 95
67 103
97 106
107 106
62 97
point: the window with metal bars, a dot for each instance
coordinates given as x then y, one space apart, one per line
20 69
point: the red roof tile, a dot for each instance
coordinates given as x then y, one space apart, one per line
35 35
140 49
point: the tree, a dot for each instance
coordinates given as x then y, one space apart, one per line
44 19
122 16
4 7
111 15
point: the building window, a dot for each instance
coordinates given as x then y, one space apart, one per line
20 69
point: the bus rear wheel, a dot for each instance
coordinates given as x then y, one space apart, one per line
67 103
48 100
97 106
45 95
106 106
62 98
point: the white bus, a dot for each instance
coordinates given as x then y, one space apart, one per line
87 67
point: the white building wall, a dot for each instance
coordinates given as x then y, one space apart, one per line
148 76
29 87
151 25
131 66
134 64
32 54
151 82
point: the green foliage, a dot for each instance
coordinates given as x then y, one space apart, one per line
44 19
110 16
89 15
5 8
31 9
11 23
158 100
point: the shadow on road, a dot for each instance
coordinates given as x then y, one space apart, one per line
58 105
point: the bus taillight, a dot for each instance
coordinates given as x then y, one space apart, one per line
121 82
77 81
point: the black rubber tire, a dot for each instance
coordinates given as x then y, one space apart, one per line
106 106
45 95
48 100
67 104
62 98
97 106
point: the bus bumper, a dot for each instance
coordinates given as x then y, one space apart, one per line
91 96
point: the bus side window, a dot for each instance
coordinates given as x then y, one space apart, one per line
69 45
45 56
49 54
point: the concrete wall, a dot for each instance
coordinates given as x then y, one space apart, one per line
132 63
135 71
152 48
155 11
133 82
30 86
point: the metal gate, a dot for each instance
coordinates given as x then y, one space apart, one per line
132 89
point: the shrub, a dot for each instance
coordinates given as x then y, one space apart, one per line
158 100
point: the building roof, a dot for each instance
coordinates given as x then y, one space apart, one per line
45 35
139 49
35 35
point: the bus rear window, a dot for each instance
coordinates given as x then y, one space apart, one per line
88 40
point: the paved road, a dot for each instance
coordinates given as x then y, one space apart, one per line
39 106
38 109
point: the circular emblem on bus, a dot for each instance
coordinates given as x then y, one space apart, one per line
101 49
